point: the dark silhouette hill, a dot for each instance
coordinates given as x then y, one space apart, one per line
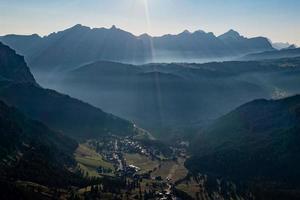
31 152
258 141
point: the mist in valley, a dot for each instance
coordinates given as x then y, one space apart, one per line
177 95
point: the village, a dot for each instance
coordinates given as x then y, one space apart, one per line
147 169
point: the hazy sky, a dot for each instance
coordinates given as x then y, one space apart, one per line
278 20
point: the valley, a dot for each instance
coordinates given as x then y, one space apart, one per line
147 172
179 100
102 156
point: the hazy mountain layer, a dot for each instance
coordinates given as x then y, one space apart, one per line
290 52
281 45
174 95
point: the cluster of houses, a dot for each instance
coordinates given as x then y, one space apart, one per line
112 150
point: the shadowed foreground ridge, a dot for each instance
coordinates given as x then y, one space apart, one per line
30 151
257 141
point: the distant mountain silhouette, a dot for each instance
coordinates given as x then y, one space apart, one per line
291 47
80 45
61 112
281 45
289 52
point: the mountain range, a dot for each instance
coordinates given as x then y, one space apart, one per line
80 45
282 45
290 52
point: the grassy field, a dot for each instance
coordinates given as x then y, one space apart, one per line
171 169
143 162
166 169
89 160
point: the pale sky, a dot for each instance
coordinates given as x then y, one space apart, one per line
279 20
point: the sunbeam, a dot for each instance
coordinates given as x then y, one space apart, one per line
149 29
152 52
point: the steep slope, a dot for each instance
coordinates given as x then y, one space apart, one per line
13 67
258 141
61 112
30 151
80 45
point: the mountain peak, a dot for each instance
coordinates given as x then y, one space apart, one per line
292 46
199 31
186 32
231 31
145 36
78 27
230 34
113 27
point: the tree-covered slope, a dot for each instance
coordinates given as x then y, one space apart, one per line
30 151
61 112
258 141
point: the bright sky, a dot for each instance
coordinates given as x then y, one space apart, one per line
278 20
